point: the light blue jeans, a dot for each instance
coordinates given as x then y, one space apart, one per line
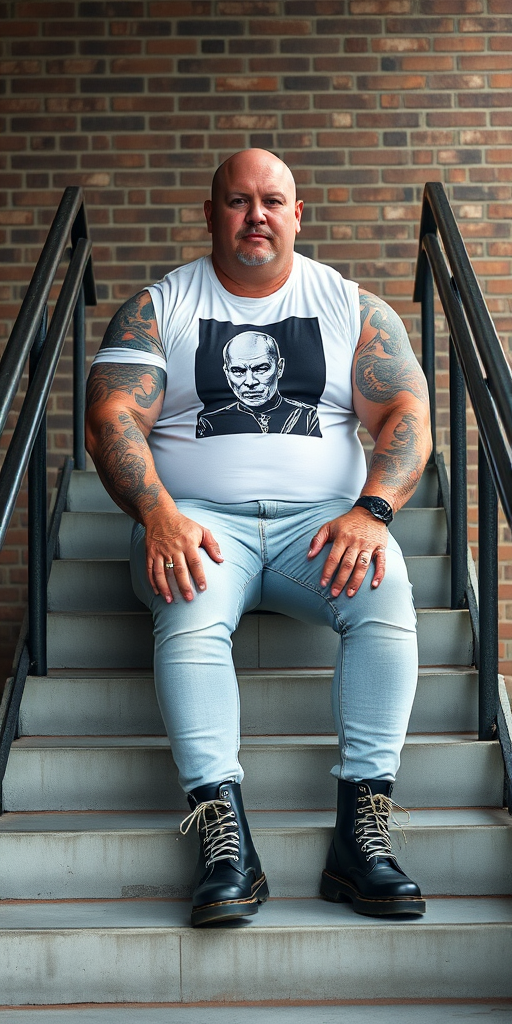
265 544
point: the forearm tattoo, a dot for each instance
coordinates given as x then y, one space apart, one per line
134 326
121 451
125 468
385 364
400 463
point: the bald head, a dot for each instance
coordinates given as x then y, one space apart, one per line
250 161
253 217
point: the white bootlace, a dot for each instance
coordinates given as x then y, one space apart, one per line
371 831
221 838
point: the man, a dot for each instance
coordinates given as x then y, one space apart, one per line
253 366
271 503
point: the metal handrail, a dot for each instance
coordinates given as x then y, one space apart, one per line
27 447
70 218
478 364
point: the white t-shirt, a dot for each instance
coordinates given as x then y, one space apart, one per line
258 403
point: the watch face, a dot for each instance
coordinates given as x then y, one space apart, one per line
377 506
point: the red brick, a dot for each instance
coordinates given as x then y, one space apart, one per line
391 82
501 42
246 84
171 46
248 122
502 25
380 7
279 64
348 139
456 118
246 8
11 29
43 85
283 27
486 63
430 63
142 65
451 6
20 67
145 141
398 44
180 9
460 43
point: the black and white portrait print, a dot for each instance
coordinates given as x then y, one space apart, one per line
265 380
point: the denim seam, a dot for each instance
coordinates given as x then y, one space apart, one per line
238 612
342 630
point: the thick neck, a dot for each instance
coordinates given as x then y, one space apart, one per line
249 286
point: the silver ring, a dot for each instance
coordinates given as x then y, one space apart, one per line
169 565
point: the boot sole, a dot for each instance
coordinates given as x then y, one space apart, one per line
337 890
231 909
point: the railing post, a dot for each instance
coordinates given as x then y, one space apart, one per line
79 381
37 530
428 347
488 599
458 483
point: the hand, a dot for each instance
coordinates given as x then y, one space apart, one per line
357 540
175 538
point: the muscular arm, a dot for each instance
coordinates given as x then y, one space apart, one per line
124 401
391 399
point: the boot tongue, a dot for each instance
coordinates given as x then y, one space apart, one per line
378 786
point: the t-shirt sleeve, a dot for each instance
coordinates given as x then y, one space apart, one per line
129 354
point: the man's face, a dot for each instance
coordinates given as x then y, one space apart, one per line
253 369
253 216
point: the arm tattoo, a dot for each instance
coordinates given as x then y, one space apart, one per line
144 382
124 468
400 464
134 326
386 364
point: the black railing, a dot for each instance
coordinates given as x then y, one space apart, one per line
31 339
478 365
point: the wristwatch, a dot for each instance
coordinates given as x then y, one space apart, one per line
377 506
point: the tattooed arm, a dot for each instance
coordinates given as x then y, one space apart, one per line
124 401
391 399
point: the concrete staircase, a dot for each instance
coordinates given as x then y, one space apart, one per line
95 875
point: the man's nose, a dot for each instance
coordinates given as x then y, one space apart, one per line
250 379
255 213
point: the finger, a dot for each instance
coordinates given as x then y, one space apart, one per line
211 547
196 570
345 569
359 572
379 558
182 578
318 542
159 580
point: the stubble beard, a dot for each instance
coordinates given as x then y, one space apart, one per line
254 259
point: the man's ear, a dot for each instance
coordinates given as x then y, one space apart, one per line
280 367
208 214
299 206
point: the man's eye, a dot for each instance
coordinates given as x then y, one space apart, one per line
237 202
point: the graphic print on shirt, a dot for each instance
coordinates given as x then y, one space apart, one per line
260 380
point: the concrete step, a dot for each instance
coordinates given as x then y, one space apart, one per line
78 584
272 702
453 1012
87 494
419 531
282 772
456 852
146 951
125 640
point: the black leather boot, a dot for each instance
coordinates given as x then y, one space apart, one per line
228 881
360 865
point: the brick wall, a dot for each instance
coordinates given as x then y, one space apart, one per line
365 99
